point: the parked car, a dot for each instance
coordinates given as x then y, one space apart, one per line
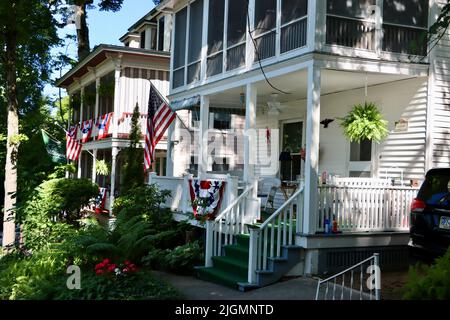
430 213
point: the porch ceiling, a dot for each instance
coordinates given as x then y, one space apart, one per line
295 84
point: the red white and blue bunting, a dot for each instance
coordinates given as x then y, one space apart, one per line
86 130
103 125
207 192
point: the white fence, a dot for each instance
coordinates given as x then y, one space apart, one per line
180 199
365 207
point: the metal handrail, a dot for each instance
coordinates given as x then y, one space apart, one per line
375 258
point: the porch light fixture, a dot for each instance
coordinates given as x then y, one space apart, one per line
274 105
326 122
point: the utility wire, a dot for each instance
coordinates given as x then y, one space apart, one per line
255 45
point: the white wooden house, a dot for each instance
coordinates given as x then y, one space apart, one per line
325 56
112 79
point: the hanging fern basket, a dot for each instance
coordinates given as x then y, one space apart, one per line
365 122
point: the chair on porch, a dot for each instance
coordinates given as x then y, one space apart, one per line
267 190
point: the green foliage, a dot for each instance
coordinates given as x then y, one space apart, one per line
139 286
30 277
365 122
134 168
429 283
181 259
101 167
53 210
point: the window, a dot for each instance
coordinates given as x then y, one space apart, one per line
195 40
161 31
236 33
142 44
292 10
222 120
361 151
405 25
153 46
293 24
406 12
360 159
265 25
215 37
350 9
180 48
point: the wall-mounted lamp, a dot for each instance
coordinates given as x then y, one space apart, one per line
326 122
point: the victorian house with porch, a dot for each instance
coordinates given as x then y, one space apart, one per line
111 80
274 77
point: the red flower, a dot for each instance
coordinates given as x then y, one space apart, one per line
99 272
99 266
111 267
106 261
127 262
125 270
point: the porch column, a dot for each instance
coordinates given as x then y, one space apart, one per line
250 133
116 109
97 98
170 145
94 160
114 152
310 207
81 122
203 137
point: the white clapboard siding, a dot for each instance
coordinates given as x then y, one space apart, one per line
440 83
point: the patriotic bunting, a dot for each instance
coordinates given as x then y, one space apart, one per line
206 196
86 130
103 125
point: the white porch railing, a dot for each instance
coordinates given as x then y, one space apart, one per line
353 285
365 207
267 240
232 221
180 198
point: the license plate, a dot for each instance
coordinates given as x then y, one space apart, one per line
444 223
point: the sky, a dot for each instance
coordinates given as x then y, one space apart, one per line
104 27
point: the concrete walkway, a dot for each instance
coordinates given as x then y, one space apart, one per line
196 289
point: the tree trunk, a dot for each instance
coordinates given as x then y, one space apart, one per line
83 33
9 233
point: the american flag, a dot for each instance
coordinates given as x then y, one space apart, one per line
73 148
159 118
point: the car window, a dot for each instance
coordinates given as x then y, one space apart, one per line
435 190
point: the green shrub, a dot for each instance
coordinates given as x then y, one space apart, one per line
429 282
181 259
30 277
139 286
54 209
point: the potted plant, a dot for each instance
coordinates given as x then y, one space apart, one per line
365 122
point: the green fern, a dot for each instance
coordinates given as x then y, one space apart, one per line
365 122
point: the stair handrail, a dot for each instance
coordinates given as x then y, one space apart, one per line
235 202
374 270
223 229
260 249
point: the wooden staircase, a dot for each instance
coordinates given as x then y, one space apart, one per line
253 256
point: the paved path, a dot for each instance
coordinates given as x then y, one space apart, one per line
196 289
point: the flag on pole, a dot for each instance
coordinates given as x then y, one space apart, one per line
103 125
55 148
159 118
73 148
86 130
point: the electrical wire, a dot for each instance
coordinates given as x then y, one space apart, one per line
255 45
